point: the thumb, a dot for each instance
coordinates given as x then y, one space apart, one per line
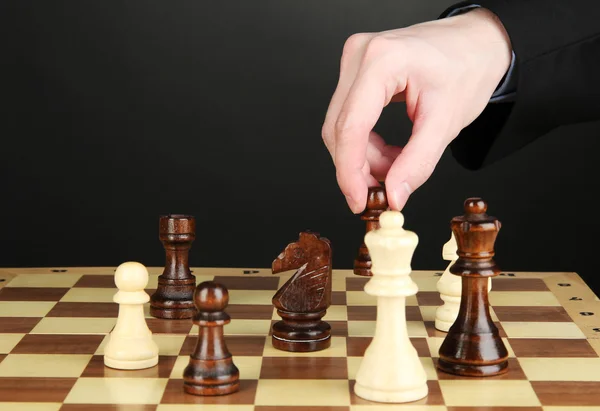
418 159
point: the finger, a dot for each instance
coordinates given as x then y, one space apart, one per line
353 53
366 99
418 159
380 156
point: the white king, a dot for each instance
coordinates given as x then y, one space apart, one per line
391 370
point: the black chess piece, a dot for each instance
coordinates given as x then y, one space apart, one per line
303 300
173 297
211 370
376 205
473 346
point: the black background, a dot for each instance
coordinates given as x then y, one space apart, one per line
117 112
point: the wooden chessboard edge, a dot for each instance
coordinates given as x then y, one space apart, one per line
578 300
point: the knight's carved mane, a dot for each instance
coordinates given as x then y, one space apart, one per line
310 286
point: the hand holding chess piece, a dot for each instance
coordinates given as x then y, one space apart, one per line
376 204
391 370
130 345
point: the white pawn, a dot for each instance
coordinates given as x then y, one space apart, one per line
450 288
130 345
391 371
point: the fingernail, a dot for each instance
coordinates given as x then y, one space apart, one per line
407 188
400 195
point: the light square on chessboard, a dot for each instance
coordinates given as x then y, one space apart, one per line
337 349
97 369
32 293
595 344
356 346
562 369
58 280
428 366
334 313
427 282
109 407
523 298
44 365
117 391
90 295
168 344
58 344
361 298
303 392
338 281
542 330
53 389
367 329
249 366
251 297
25 308
553 348
9 341
66 325
205 407
30 406
488 393
434 397
242 327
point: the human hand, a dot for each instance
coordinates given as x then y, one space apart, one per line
445 70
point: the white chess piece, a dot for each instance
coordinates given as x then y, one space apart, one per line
450 288
130 345
390 370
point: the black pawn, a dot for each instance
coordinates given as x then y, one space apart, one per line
211 370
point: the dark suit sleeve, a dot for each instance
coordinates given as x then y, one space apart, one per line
557 48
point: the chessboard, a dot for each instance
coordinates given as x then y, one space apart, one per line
54 324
